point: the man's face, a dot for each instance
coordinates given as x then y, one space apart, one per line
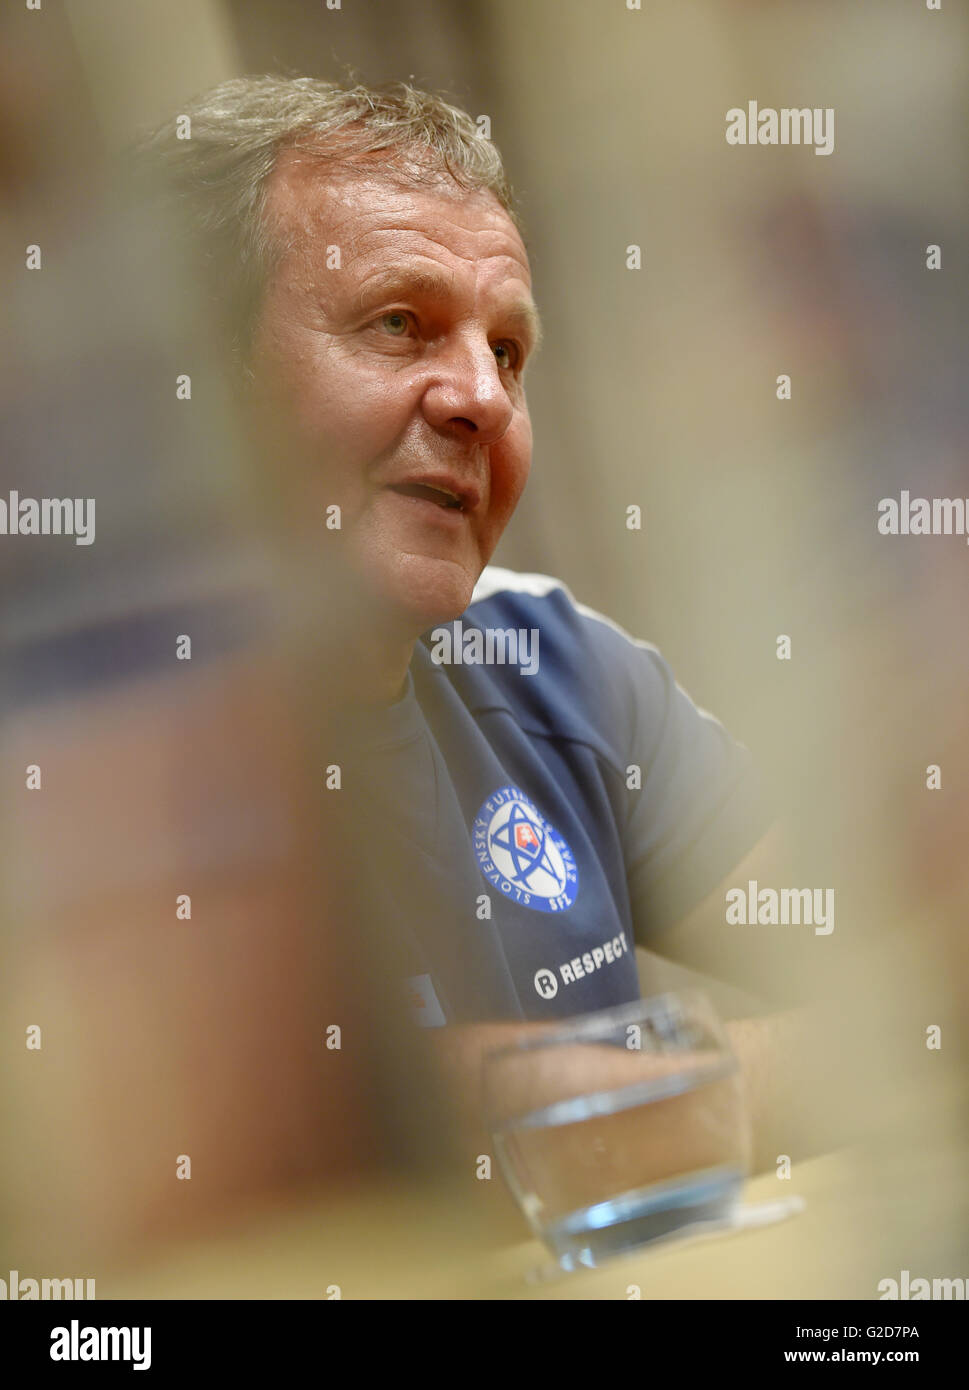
401 374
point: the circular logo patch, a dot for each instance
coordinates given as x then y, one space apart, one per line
522 855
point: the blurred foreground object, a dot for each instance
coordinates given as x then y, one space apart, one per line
194 1028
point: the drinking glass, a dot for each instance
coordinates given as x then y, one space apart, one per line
618 1128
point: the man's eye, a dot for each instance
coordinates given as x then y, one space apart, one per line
507 354
396 324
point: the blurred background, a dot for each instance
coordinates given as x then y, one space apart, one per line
656 388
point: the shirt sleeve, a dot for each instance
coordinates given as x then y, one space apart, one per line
700 805
700 808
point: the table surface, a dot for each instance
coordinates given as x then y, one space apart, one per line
867 1215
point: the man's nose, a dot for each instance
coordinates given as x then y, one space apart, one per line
466 395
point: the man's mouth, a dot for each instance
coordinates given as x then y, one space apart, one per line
450 501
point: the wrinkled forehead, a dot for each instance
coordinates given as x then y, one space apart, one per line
369 201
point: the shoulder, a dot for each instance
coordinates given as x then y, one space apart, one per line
591 678
572 634
549 600
496 581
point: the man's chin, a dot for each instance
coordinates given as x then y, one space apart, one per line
422 592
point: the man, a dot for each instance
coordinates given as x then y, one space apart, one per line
527 818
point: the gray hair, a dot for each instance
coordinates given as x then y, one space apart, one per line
220 173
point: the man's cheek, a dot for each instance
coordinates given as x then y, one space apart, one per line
508 479
505 494
344 433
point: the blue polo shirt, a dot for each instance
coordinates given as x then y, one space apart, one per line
545 797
